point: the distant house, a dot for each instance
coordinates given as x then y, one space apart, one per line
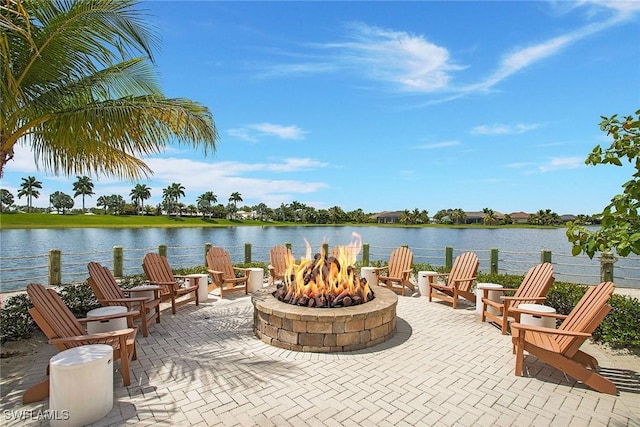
519 217
478 217
567 217
387 217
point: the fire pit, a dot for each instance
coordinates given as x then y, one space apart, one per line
323 306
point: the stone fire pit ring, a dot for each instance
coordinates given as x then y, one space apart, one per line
324 330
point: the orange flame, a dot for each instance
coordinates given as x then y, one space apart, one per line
327 277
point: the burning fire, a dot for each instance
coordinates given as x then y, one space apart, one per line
325 281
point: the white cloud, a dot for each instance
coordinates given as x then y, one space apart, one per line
409 61
559 163
254 132
293 164
435 145
502 129
283 132
224 178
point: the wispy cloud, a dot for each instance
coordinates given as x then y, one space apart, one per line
409 61
413 64
253 132
520 165
293 164
442 144
521 58
559 163
503 129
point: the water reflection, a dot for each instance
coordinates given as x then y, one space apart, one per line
186 247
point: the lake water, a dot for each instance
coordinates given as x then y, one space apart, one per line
24 253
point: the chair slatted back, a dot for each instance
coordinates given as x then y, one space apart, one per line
400 260
535 284
103 284
52 315
219 260
158 271
585 316
465 266
279 257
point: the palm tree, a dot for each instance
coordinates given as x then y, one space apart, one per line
87 101
235 198
171 195
232 208
205 200
104 202
139 194
29 188
83 187
489 216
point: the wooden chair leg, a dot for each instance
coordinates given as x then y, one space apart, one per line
37 392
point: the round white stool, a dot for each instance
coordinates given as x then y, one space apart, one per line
202 280
532 319
81 384
107 325
256 279
424 277
369 273
493 296
141 293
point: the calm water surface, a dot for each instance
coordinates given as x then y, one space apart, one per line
24 253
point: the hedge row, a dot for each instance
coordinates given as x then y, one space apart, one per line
620 329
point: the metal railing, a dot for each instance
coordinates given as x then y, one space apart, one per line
55 268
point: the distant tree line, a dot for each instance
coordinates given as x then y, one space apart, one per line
207 206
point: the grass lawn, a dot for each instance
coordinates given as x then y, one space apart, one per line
9 221
41 220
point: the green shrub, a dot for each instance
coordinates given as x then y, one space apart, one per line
15 320
621 327
79 299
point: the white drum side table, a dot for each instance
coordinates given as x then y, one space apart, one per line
256 279
81 384
369 273
202 280
532 319
493 296
107 325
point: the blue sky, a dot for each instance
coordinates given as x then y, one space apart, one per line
392 105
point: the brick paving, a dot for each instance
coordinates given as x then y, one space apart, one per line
443 367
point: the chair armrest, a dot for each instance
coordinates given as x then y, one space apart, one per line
93 337
244 270
550 331
109 316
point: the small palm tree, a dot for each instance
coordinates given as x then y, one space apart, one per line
29 187
139 194
83 187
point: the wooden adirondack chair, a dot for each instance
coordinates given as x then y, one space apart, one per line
532 290
65 331
459 280
108 292
279 257
158 272
223 273
398 271
560 347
